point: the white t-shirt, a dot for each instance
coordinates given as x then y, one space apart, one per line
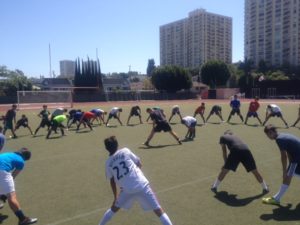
114 111
274 108
188 120
123 167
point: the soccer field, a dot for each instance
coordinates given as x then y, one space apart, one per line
64 183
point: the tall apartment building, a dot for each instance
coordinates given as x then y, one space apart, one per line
272 31
192 41
67 68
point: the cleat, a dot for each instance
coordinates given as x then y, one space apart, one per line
28 220
270 201
179 142
214 190
265 191
146 143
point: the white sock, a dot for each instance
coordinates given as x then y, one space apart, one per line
106 217
165 220
264 185
281 192
216 183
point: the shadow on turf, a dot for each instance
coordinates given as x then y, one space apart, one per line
156 146
2 218
283 213
232 200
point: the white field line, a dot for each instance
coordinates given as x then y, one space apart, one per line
79 216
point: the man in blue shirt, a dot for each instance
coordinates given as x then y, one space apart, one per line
289 146
11 164
235 105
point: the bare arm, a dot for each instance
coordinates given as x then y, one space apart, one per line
224 152
284 158
113 188
15 173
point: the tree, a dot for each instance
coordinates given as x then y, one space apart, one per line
171 78
215 73
151 67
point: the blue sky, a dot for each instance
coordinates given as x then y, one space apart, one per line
125 32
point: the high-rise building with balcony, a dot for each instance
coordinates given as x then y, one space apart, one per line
192 41
272 31
67 68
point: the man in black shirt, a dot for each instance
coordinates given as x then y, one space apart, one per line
135 111
159 124
238 153
44 115
10 117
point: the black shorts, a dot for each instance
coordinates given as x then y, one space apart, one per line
234 111
163 126
243 156
278 114
215 110
18 125
250 114
135 113
44 123
112 116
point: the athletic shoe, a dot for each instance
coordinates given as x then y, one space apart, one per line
28 220
146 143
265 191
214 190
179 142
270 201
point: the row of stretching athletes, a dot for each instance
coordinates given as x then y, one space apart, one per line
239 152
86 118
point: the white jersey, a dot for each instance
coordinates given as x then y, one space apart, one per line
123 167
274 108
188 120
114 111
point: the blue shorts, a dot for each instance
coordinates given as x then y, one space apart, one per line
278 114
250 114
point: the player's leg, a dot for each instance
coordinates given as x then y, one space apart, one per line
221 177
88 123
240 115
281 117
149 137
247 116
259 120
202 116
29 128
108 215
118 118
267 118
296 122
260 180
171 116
140 117
175 136
209 115
230 115
128 119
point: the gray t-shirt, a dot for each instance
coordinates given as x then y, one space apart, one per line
233 143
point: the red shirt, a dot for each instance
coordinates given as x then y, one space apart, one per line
88 115
253 107
200 110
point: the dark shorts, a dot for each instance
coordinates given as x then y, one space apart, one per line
193 124
250 114
112 116
55 125
278 114
175 111
215 110
8 124
45 122
235 110
163 126
235 157
134 113
21 124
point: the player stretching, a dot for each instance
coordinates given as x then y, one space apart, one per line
238 153
123 169
272 111
10 118
235 105
135 111
44 114
252 111
24 123
85 119
175 110
159 124
57 122
289 146
11 164
298 118
99 113
190 122
200 110
114 113
216 109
